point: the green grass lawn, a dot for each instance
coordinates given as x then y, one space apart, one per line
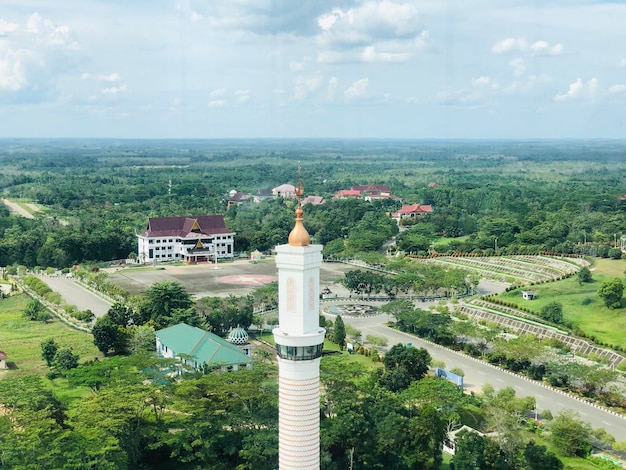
20 339
330 346
581 304
443 242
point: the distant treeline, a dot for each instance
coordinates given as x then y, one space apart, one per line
512 196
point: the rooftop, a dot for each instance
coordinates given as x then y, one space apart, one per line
203 346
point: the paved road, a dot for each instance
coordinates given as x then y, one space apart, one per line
478 373
74 294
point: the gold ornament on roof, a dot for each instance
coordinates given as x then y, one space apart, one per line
299 236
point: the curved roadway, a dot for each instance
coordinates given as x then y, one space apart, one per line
478 373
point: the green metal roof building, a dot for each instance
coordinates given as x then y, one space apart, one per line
199 347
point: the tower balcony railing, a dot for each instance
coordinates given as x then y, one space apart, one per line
299 353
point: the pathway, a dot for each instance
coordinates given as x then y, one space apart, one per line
14 207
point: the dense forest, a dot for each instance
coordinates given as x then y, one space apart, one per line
511 196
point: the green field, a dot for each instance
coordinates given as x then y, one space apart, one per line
20 339
581 304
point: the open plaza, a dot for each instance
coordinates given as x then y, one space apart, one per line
239 277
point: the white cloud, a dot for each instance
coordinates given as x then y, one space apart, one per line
481 81
531 83
33 55
574 90
218 92
622 63
112 77
520 44
466 98
16 67
617 88
358 88
592 86
217 103
518 66
395 50
544 48
508 45
369 20
6 27
242 96
115 90
304 85
372 31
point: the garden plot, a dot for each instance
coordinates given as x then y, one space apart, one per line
524 269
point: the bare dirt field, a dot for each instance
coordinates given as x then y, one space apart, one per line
15 207
239 277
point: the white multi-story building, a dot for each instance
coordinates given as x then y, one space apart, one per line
190 239
299 342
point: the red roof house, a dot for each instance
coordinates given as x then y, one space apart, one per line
411 211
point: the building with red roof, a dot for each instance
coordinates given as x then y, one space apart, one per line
368 192
412 211
190 239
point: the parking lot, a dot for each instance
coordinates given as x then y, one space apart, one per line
239 277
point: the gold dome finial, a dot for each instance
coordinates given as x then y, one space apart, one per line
299 236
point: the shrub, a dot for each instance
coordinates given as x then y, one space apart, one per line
458 371
84 315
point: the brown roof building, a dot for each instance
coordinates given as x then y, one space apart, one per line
190 239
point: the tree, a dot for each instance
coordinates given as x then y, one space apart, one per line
120 314
539 458
584 275
505 414
569 435
49 349
65 359
397 307
339 331
611 293
162 300
469 448
36 311
105 334
553 312
615 253
140 338
404 365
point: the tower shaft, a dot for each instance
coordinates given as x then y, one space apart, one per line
299 342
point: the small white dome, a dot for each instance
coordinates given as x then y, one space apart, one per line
238 336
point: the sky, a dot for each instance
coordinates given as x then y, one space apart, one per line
505 69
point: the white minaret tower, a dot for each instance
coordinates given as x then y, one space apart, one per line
299 342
